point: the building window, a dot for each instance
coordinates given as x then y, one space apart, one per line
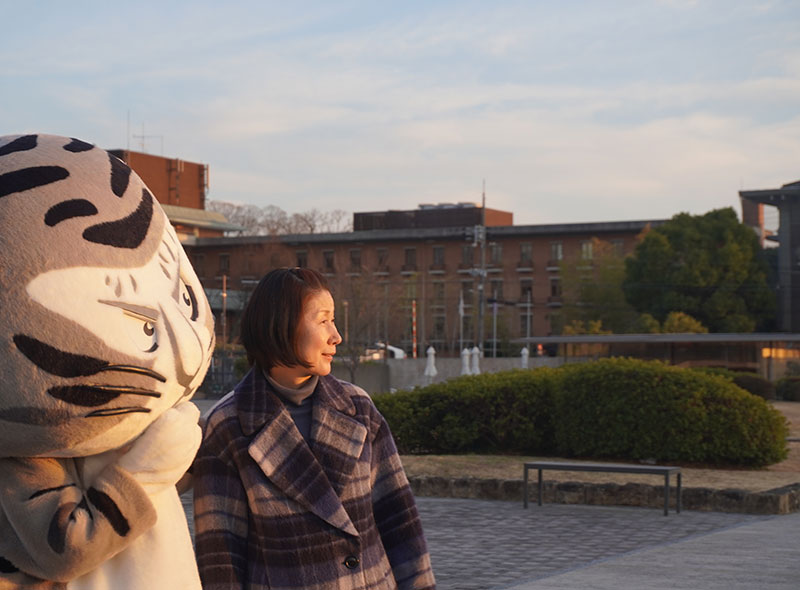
586 250
249 263
199 263
525 323
383 257
355 260
411 259
410 288
438 292
301 257
556 251
525 290
438 332
438 256
555 287
467 328
556 323
466 292
496 254
618 248
224 264
496 289
467 256
525 254
327 261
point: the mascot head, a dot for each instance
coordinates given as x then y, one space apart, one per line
103 322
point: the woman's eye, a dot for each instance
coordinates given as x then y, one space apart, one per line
142 332
188 301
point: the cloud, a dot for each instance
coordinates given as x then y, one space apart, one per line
575 112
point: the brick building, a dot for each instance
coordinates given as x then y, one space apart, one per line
404 278
180 187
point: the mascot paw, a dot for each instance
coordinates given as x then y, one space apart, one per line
166 449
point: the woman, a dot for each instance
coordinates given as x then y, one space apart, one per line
298 483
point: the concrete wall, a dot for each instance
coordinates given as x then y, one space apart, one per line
398 374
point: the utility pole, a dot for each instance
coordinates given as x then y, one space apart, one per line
482 270
224 362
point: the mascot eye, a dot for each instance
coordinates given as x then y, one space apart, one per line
142 332
188 301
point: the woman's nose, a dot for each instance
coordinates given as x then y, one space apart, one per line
336 338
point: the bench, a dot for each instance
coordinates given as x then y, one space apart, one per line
664 470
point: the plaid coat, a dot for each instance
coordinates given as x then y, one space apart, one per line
272 511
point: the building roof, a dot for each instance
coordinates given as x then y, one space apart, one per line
663 338
440 233
199 218
773 196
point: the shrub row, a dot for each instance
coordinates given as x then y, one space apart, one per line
751 382
499 412
788 389
620 409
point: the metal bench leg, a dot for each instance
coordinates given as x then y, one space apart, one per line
525 487
540 487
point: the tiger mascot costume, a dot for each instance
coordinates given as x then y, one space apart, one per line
105 334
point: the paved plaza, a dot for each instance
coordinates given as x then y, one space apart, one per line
494 545
480 544
483 544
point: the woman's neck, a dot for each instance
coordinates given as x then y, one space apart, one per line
289 377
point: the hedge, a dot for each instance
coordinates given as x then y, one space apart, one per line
646 410
620 409
751 382
788 389
499 412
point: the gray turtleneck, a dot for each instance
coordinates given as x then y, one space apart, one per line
300 402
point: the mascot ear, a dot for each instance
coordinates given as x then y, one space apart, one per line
105 323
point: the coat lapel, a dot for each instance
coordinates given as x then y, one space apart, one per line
337 437
284 456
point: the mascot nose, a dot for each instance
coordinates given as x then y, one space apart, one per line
187 345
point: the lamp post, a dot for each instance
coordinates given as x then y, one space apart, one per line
347 322
482 270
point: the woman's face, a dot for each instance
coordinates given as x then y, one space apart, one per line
317 335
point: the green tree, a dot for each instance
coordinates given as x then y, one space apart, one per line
678 322
709 266
647 324
592 292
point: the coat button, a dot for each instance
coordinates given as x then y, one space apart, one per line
351 562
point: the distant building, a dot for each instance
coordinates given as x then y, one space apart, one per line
181 188
442 215
413 275
787 201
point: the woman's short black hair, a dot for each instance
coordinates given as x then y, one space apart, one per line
271 316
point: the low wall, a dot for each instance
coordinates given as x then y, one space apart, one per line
396 374
778 501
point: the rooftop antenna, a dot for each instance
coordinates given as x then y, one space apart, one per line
143 137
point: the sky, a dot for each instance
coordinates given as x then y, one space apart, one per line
566 111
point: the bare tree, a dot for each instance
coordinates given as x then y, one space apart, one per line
358 312
271 220
247 216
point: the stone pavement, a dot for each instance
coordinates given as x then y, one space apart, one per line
477 544
497 545
484 544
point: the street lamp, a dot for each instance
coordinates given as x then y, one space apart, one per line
347 321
